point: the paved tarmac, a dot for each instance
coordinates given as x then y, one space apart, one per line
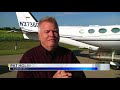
82 57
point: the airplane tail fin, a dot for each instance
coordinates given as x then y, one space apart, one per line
28 25
27 22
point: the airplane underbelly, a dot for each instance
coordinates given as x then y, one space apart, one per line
105 44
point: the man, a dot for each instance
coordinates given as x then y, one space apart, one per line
49 52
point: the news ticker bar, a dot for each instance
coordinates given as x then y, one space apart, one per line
54 67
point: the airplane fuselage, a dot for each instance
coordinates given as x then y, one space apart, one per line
101 36
91 37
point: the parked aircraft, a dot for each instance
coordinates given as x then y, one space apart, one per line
93 37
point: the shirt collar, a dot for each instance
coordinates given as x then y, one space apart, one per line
45 51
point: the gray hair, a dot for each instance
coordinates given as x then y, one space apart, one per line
48 19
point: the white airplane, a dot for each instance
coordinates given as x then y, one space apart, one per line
93 37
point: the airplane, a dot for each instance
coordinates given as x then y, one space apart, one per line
93 37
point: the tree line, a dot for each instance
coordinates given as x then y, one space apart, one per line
10 28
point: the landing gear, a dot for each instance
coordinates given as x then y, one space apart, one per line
113 64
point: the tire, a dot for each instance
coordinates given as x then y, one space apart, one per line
114 67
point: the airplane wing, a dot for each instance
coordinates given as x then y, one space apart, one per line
79 44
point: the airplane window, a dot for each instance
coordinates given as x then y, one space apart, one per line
91 30
102 30
81 31
115 30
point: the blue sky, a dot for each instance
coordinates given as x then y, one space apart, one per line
9 19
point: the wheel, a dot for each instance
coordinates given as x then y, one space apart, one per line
115 65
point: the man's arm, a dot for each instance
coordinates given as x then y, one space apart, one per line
24 74
77 74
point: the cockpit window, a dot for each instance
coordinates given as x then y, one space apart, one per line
91 30
102 30
115 30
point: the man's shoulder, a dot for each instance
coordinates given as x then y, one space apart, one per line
64 49
32 50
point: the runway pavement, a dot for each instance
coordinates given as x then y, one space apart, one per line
82 57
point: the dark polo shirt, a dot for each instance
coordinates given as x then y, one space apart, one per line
40 55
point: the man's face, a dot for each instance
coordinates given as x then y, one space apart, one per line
49 35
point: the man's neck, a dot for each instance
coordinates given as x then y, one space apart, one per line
49 49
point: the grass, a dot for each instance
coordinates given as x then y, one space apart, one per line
8 41
11 36
8 47
11 52
2 31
